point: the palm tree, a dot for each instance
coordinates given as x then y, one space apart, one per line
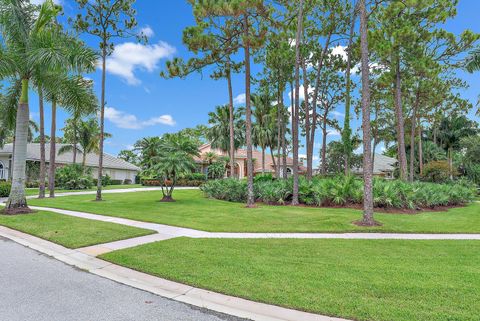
451 130
148 148
368 219
219 132
175 157
264 127
88 138
31 46
73 93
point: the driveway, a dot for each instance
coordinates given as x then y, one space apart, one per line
35 287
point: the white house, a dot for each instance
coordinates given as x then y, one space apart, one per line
116 168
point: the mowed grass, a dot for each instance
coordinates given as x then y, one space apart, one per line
69 231
34 191
355 279
193 210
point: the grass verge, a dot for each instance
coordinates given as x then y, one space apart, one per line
355 279
69 231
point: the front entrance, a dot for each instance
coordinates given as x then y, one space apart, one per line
236 170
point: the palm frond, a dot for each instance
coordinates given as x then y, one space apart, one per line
472 62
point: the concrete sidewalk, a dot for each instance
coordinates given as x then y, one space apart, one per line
179 292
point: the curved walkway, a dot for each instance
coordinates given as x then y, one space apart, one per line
165 232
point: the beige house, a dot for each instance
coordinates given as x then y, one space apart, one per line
116 168
241 162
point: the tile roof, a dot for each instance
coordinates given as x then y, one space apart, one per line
109 161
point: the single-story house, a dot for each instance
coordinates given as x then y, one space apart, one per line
383 166
116 168
240 170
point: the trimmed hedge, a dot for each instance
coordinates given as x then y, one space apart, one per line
344 190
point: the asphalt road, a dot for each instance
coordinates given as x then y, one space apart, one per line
35 287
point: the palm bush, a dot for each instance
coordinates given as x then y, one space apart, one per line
345 190
228 189
74 177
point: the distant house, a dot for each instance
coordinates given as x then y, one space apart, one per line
383 166
240 170
116 168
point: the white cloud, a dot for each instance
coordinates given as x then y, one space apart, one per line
147 32
333 132
240 99
338 114
128 121
314 158
340 51
128 57
302 92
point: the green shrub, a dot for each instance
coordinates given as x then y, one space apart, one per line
106 180
437 172
5 188
339 190
228 189
345 190
263 177
274 192
74 177
216 170
194 177
116 182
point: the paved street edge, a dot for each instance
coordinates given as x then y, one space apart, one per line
165 288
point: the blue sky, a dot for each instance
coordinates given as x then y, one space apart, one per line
140 103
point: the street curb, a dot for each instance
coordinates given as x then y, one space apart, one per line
176 291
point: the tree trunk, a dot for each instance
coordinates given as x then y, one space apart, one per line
413 120
420 147
347 131
450 162
296 109
273 160
17 202
375 142
263 160
231 121
402 156
307 122
43 168
324 147
53 152
248 116
84 158
367 152
279 130
75 140
102 126
316 90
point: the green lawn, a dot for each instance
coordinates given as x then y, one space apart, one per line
69 231
193 210
357 279
34 191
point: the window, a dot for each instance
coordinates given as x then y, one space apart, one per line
2 171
